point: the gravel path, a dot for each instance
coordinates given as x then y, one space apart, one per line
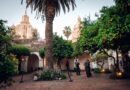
97 82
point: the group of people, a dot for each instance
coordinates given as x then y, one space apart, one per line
77 68
86 66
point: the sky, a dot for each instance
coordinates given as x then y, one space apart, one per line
12 11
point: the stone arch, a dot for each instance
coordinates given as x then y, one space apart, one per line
32 63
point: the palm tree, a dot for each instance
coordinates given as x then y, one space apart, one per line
49 9
35 34
67 31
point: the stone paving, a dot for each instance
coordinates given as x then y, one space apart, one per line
97 82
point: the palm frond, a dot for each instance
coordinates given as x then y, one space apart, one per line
40 6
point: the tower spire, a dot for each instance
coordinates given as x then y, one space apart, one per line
25 11
25 18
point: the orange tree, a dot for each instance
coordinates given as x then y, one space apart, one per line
110 31
61 49
117 32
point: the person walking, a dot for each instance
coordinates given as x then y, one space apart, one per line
68 70
87 68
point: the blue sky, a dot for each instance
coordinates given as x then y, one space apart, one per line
12 11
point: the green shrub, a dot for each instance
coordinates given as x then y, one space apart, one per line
20 50
42 52
51 75
61 75
96 70
46 75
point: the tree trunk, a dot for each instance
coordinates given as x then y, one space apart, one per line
49 14
59 63
19 64
100 64
110 56
124 60
117 61
126 64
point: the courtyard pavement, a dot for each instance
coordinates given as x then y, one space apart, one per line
97 82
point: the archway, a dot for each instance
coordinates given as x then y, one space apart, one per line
33 63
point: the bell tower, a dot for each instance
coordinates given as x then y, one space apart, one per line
25 18
76 30
24 30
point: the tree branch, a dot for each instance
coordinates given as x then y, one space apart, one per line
109 55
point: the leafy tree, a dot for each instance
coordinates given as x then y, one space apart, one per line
42 52
61 49
124 16
49 9
7 62
68 50
80 46
100 59
77 49
67 31
88 37
20 52
110 31
114 21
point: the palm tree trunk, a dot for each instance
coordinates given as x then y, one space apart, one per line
48 37
50 13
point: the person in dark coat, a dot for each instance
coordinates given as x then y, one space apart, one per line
87 68
77 68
